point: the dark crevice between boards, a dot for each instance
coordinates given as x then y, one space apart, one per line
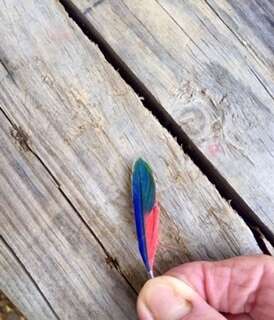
22 138
9 248
258 228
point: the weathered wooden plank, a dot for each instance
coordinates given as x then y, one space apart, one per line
206 78
54 245
15 283
252 23
87 126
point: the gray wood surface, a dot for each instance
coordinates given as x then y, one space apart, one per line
15 283
63 258
210 65
252 23
65 171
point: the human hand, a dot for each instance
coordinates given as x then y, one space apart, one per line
240 288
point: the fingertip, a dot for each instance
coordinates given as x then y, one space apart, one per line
163 298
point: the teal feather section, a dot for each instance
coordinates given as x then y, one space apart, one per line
146 211
147 184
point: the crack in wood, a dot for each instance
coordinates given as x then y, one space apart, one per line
112 262
166 120
182 29
7 69
9 248
21 137
245 45
242 42
261 82
24 141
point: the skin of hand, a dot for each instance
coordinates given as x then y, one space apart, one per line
240 288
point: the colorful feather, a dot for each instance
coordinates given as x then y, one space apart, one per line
146 211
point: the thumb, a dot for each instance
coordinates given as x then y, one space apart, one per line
168 298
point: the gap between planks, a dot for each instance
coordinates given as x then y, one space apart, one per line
259 229
23 141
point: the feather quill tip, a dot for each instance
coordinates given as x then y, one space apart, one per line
146 212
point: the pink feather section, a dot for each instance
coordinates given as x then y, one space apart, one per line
151 226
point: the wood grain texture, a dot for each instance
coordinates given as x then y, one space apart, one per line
207 78
15 283
252 23
73 113
54 245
